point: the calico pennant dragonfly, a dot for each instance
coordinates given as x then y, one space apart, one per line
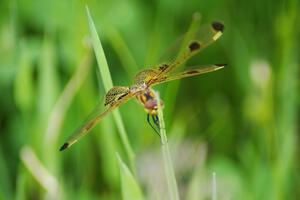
144 80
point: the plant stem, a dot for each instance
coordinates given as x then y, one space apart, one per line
108 84
169 171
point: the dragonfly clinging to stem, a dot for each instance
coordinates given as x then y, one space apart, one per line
144 80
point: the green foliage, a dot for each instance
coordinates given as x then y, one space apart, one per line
240 122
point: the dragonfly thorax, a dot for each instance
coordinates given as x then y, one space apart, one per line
149 101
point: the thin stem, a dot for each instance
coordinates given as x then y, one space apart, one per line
64 101
108 84
40 172
214 186
169 171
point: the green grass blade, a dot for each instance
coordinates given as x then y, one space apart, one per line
65 99
99 52
40 173
170 175
130 187
214 187
108 84
287 126
24 84
20 193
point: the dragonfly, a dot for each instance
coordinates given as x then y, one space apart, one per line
146 79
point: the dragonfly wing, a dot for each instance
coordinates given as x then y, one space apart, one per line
92 120
196 42
190 73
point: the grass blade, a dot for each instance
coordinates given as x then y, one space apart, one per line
108 84
61 106
40 172
130 187
214 186
170 175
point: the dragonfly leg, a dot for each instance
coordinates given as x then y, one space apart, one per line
155 122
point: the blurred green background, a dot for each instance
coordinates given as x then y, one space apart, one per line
240 122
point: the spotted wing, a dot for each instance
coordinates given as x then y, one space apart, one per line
201 39
94 118
189 73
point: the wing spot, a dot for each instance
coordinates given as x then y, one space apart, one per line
221 65
192 72
194 46
64 146
218 26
